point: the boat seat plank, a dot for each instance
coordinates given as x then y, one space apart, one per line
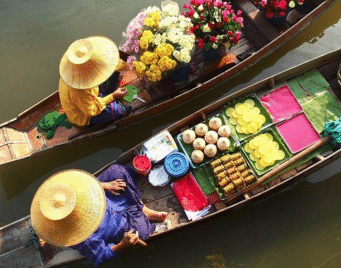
19 149
5 154
259 40
62 134
254 15
2 137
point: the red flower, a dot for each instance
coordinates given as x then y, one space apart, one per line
184 14
185 6
237 35
234 40
202 18
269 14
229 33
213 39
192 2
191 12
201 43
281 14
218 25
211 25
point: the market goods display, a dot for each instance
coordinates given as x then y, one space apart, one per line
201 129
206 135
231 173
265 151
246 117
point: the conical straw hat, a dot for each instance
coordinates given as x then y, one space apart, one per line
68 207
89 62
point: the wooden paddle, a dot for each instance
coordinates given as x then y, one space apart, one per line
279 168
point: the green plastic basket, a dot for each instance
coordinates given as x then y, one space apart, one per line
188 148
276 137
258 104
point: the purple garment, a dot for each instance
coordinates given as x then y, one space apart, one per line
123 212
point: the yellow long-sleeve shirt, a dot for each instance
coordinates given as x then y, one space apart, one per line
80 105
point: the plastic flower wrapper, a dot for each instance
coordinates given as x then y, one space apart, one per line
164 41
277 8
214 23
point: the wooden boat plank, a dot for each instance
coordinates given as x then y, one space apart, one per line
5 154
258 19
150 193
24 257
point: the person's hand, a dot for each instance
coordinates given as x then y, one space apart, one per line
115 186
129 239
120 93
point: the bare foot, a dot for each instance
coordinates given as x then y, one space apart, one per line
154 215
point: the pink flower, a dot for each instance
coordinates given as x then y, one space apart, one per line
239 12
185 6
281 14
263 3
229 33
213 39
225 12
234 40
192 2
199 2
184 14
234 18
283 5
191 12
228 7
218 4
237 35
240 21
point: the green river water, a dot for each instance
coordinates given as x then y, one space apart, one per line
297 227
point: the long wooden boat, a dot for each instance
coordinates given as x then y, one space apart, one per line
20 137
14 236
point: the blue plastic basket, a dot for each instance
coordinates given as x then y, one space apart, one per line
176 164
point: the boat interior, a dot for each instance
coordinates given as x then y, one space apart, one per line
21 137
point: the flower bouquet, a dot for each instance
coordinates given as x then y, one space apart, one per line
214 23
276 8
159 41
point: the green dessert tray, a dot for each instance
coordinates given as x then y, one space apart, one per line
188 148
258 104
282 146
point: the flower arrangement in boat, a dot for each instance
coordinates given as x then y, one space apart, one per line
159 41
214 23
277 8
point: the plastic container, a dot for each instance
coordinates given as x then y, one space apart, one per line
158 176
176 164
142 164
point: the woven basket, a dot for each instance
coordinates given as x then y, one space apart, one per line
339 75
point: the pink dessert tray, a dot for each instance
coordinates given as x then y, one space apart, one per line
298 133
281 103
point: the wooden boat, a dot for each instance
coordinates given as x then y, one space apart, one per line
14 236
20 137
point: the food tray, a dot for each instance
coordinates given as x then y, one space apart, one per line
258 104
188 148
217 188
281 108
306 134
276 137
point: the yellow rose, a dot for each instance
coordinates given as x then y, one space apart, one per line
144 44
148 22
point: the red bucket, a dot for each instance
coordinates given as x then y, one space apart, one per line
142 164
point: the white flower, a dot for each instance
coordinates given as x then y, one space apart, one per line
291 4
157 39
185 55
177 54
200 7
170 9
196 16
206 29
215 46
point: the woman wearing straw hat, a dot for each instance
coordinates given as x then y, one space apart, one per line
84 68
96 217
